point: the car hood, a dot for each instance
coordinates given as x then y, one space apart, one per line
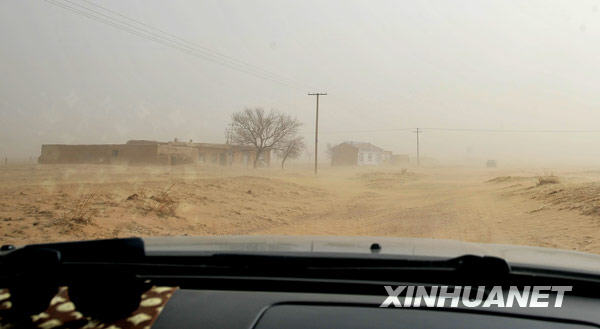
415 247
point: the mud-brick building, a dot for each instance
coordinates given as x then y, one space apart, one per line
230 155
134 152
144 152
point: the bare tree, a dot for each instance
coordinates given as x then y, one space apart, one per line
290 149
264 131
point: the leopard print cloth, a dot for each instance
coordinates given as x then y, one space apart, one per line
62 312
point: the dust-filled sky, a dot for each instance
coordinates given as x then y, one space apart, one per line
500 65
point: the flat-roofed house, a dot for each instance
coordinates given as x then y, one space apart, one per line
230 155
153 153
358 154
133 152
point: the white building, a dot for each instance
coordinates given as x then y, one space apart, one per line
358 153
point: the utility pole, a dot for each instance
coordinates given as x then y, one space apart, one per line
317 126
418 159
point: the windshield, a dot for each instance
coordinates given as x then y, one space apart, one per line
474 121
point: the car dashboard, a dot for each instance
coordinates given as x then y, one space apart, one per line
270 310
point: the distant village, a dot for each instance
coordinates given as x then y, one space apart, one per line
144 152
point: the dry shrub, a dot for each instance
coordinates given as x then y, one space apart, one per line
544 180
162 203
81 212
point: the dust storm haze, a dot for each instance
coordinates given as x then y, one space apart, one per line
504 94
513 67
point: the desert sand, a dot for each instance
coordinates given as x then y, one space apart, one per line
42 203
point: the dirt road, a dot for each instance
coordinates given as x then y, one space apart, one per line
51 203
452 203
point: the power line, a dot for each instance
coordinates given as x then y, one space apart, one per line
166 41
204 48
124 26
365 131
516 130
464 130
160 36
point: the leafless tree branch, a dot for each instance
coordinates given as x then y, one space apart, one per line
264 131
290 148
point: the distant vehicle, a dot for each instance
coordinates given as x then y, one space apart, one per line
491 164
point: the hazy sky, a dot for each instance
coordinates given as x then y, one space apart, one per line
385 64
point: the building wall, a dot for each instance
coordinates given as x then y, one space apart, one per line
359 154
344 155
242 158
155 154
176 154
370 157
98 154
213 156
387 156
137 155
74 154
229 155
149 152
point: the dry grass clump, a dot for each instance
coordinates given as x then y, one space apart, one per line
77 216
81 212
545 180
161 203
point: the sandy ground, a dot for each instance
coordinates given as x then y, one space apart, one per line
40 203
